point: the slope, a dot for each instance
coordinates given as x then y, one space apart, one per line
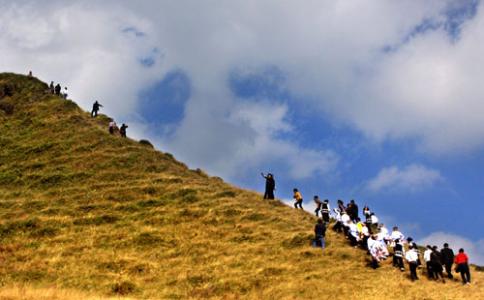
85 213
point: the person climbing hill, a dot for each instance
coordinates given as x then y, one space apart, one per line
95 108
325 210
447 259
320 233
412 258
318 203
270 186
462 262
57 90
298 199
122 130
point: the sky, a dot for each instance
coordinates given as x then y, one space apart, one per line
377 101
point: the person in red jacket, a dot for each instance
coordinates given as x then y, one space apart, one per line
462 262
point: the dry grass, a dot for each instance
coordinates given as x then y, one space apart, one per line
84 213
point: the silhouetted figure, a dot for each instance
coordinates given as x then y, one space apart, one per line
462 262
270 186
320 233
95 109
447 259
52 88
298 199
64 95
30 74
353 213
58 89
122 130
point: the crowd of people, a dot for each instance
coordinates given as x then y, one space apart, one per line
374 237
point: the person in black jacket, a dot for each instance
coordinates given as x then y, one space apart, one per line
436 261
447 259
270 186
398 255
325 210
318 203
320 233
122 130
353 210
57 89
95 108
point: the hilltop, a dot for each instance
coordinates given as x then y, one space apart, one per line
85 214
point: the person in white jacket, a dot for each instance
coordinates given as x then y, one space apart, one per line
428 264
412 257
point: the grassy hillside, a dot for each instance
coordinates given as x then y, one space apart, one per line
88 215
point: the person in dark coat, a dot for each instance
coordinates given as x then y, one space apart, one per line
398 254
320 233
270 186
52 88
57 89
122 130
354 211
447 259
95 108
436 261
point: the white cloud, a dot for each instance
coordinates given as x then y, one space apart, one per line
411 178
475 249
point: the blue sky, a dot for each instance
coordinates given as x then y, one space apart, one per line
377 101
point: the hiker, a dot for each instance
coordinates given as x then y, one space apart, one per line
112 127
412 257
95 108
374 222
367 214
52 88
270 186
462 262
64 95
122 130
364 236
398 254
338 225
298 199
428 264
354 211
345 221
318 203
447 259
436 261
353 234
377 249
319 233
57 89
325 209
341 206
396 235
30 75
383 233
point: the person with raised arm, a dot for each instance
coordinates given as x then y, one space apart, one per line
270 186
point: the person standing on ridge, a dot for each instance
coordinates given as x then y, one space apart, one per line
112 127
462 262
57 89
52 88
412 257
320 233
270 186
298 199
447 259
95 108
318 203
354 211
122 130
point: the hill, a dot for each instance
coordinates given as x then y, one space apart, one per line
88 215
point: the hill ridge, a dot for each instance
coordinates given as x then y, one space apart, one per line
87 213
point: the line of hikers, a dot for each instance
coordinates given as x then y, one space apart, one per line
57 90
376 238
